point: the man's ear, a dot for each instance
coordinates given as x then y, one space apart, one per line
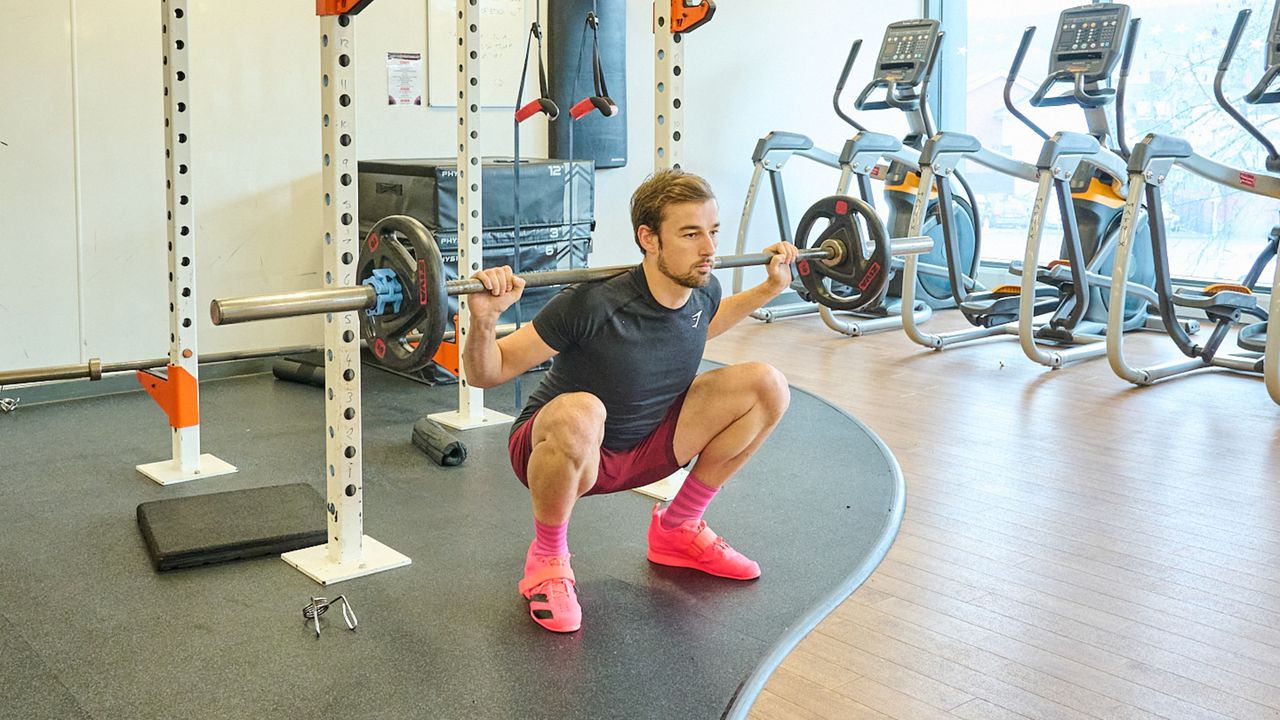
648 238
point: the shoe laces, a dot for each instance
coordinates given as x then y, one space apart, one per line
556 587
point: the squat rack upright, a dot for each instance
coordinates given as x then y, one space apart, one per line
348 553
177 392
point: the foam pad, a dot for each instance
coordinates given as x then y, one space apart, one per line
219 527
294 370
444 449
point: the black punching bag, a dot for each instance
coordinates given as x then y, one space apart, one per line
595 137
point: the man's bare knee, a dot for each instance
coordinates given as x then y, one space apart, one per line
574 422
770 386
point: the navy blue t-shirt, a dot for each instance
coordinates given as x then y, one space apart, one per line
618 343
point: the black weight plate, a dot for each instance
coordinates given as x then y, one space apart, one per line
865 268
404 246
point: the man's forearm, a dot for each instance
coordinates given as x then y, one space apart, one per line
739 305
481 355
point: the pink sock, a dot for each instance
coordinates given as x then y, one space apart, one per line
550 539
689 503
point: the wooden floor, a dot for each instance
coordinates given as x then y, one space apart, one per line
1073 547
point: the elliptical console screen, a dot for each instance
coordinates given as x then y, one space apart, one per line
1089 40
906 50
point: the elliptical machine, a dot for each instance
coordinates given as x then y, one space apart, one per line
904 66
1151 161
1087 173
994 312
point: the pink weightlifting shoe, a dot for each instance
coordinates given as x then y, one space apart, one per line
548 585
692 544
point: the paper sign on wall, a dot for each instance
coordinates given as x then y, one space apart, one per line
404 78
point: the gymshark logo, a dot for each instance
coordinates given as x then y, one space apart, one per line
697 318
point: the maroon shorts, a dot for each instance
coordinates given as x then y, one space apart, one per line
648 462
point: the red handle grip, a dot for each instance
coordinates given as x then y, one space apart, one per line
532 108
582 109
596 102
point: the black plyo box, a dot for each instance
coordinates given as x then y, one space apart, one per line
552 192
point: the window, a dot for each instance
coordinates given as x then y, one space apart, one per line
1213 233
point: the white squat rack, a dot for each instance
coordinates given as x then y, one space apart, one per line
471 412
671 19
178 392
348 553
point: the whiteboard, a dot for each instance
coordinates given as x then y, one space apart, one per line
504 29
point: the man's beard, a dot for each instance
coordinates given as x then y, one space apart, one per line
692 279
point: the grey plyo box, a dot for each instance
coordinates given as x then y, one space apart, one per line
552 192
220 527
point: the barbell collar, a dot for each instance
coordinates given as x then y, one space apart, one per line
229 311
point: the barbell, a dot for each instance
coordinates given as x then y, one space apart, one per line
404 293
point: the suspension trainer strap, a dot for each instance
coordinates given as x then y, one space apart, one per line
600 100
543 103
547 106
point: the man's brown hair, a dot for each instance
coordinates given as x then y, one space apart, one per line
661 189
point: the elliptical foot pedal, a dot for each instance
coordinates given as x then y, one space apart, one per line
220 527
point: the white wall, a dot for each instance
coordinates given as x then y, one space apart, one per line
82 231
38 268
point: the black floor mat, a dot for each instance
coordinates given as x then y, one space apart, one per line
446 637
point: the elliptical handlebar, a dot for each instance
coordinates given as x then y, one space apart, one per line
1130 42
906 101
1255 95
1086 49
905 60
924 85
1018 59
1237 31
1259 95
1080 95
844 78
891 97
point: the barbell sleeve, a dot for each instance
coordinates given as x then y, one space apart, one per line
911 245
229 311
92 369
